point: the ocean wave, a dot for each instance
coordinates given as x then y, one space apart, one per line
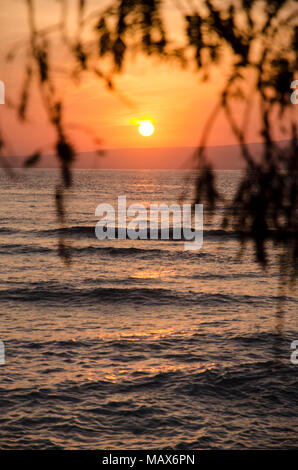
89 232
20 248
48 292
215 380
99 250
7 230
159 408
184 349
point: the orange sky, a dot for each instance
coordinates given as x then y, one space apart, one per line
177 100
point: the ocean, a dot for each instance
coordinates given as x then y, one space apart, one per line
138 344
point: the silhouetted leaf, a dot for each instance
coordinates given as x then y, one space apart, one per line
32 160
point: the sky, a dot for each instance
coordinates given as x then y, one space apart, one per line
177 101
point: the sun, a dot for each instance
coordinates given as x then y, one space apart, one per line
146 128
